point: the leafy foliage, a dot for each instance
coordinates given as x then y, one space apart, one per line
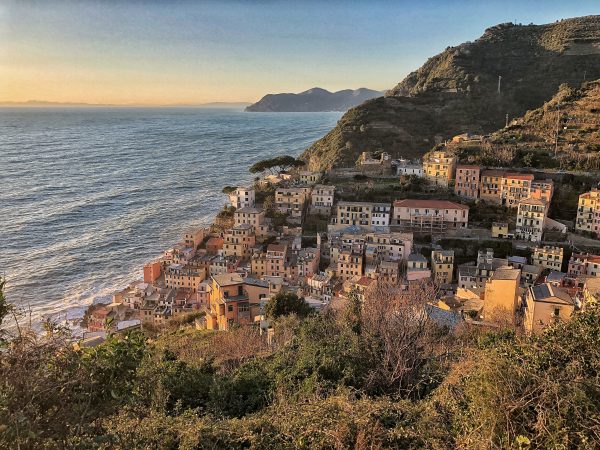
285 303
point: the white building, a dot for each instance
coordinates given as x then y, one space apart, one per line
410 169
531 215
321 199
243 197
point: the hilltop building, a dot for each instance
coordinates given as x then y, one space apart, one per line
548 257
438 167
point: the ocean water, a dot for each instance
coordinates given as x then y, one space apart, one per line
88 195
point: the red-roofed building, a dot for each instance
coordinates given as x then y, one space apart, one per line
516 187
430 215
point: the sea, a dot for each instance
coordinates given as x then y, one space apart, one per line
88 195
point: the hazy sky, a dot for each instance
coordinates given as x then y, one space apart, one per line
155 52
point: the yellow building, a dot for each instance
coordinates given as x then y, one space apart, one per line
500 229
350 264
292 200
239 241
516 187
546 305
548 257
588 212
438 167
501 297
490 188
442 264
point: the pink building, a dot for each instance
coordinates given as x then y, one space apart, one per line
467 181
430 215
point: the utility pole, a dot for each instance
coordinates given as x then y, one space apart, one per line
557 127
584 74
499 82
506 120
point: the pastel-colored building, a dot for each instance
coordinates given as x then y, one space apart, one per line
308 177
588 212
467 181
292 200
430 215
500 230
545 305
542 190
516 187
491 186
501 296
548 257
322 198
243 197
249 215
442 264
152 272
584 264
531 217
235 300
438 167
239 241
350 264
365 215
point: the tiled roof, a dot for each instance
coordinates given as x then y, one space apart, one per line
435 204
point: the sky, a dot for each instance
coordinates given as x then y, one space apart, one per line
184 52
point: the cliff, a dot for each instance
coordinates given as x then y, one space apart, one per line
313 100
457 90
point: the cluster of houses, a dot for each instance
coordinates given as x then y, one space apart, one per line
228 274
529 196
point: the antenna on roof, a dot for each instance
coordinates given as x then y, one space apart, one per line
499 83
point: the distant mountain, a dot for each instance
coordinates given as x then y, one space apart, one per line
314 100
460 90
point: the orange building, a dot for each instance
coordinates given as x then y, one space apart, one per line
235 300
151 272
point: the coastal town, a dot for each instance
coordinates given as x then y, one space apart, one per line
325 238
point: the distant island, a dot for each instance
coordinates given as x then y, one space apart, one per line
314 100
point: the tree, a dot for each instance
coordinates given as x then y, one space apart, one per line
285 303
276 164
228 189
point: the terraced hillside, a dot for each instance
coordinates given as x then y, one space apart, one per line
457 90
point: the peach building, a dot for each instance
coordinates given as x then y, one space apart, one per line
542 190
234 300
501 297
531 216
292 200
467 181
249 215
545 305
242 197
214 244
584 264
430 215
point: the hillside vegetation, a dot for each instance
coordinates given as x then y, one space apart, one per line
564 133
358 378
457 91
